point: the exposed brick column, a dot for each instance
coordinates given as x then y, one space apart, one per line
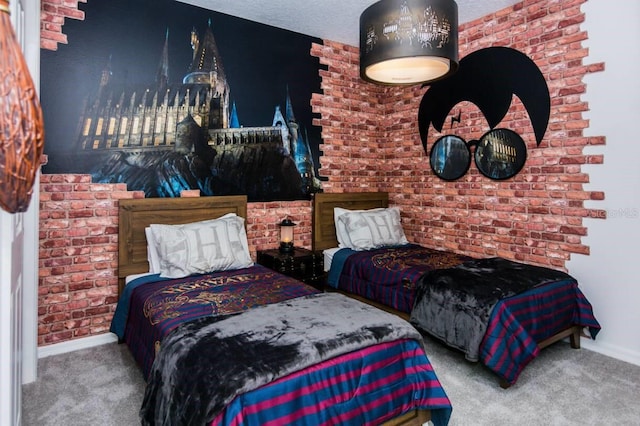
78 279
351 117
53 14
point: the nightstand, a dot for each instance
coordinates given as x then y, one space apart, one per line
301 264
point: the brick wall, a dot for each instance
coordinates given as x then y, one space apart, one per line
78 266
371 142
263 231
52 17
78 279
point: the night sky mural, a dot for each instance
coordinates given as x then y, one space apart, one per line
166 97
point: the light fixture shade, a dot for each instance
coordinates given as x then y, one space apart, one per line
406 42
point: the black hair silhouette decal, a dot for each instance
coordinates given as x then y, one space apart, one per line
489 78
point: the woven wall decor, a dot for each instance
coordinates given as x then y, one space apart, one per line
21 122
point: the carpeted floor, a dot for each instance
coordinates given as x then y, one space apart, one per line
96 386
563 386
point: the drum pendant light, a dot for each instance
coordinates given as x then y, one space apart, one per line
405 42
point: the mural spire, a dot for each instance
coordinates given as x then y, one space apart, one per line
289 108
206 63
279 121
234 122
206 68
105 78
162 76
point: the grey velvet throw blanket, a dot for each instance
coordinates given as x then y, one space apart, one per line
205 363
455 304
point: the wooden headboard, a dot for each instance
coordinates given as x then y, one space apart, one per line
137 214
324 229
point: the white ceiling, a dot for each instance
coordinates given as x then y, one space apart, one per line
336 20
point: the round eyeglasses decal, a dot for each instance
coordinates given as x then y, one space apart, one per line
499 154
450 157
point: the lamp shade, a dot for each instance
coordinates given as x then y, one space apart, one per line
405 42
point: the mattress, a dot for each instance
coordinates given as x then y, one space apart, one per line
328 257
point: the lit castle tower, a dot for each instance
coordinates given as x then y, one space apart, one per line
234 121
296 144
300 150
129 134
150 117
279 121
206 68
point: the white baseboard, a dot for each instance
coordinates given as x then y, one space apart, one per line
612 351
76 344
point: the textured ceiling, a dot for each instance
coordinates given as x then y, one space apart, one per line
335 20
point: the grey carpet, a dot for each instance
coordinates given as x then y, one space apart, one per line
563 386
96 386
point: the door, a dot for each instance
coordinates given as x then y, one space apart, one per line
19 257
11 249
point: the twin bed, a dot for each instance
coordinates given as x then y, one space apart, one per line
246 345
494 310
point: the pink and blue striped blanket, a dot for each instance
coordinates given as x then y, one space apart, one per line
494 310
497 311
370 380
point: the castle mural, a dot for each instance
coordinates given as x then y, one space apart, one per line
167 136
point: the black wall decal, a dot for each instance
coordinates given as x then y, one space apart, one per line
456 119
489 78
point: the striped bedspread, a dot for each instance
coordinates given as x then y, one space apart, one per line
273 341
365 386
497 311
325 394
512 327
519 323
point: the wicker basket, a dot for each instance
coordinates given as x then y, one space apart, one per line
21 123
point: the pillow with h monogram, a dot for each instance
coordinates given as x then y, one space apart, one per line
342 234
152 252
373 228
202 247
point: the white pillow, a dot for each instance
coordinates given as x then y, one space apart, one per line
341 231
152 252
373 228
202 247
238 223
